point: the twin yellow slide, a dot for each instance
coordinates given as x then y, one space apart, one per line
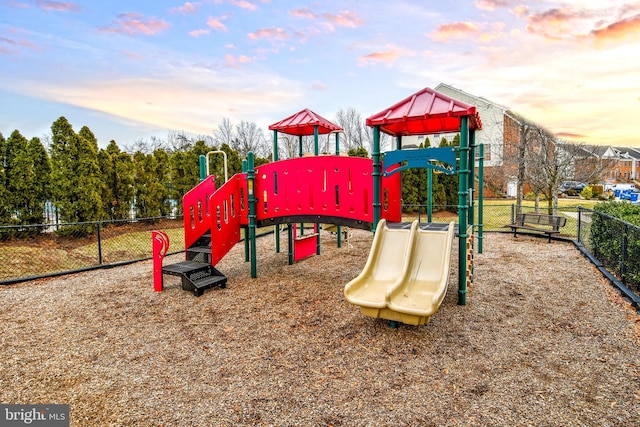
406 274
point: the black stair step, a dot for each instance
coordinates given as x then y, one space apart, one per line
200 249
184 267
210 281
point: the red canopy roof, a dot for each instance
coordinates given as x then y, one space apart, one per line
303 123
425 112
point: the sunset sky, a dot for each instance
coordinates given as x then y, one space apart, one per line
135 69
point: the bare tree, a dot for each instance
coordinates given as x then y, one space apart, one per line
224 134
550 161
354 128
250 138
179 141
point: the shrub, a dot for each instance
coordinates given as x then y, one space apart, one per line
587 193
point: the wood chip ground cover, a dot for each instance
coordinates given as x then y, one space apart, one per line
544 340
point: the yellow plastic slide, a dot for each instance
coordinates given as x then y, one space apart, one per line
406 275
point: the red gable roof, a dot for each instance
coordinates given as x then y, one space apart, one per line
303 123
425 112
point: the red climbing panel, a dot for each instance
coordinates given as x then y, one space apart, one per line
324 186
195 205
225 208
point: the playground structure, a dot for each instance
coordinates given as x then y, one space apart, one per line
343 191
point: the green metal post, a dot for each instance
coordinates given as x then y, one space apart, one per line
290 238
399 142
316 136
377 178
480 197
300 146
276 228
429 195
251 174
275 145
203 167
463 206
246 229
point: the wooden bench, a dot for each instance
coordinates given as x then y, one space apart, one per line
542 223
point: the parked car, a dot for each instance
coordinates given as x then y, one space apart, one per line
576 186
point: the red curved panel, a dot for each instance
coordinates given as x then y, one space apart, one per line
335 186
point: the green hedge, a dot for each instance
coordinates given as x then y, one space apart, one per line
615 239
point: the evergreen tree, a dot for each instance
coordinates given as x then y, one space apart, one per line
118 179
5 214
75 176
29 182
162 176
358 152
185 170
147 189
445 185
15 169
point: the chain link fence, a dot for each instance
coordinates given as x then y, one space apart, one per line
33 251
614 243
28 252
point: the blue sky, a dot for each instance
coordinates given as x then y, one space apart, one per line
135 69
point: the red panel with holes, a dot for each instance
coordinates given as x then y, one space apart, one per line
324 186
196 210
225 209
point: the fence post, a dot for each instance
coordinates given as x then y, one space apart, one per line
513 213
580 224
99 245
623 253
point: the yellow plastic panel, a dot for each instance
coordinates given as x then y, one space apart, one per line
385 266
423 288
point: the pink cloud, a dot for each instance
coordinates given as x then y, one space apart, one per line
199 33
344 19
10 45
620 30
57 6
17 5
187 8
133 55
388 57
302 13
243 4
317 85
216 24
235 62
557 23
269 33
520 10
455 30
491 5
331 20
134 23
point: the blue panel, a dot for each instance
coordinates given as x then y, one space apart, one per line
421 158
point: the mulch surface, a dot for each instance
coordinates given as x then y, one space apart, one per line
543 340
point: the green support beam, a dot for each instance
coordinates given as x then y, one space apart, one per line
251 174
463 207
203 167
377 176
